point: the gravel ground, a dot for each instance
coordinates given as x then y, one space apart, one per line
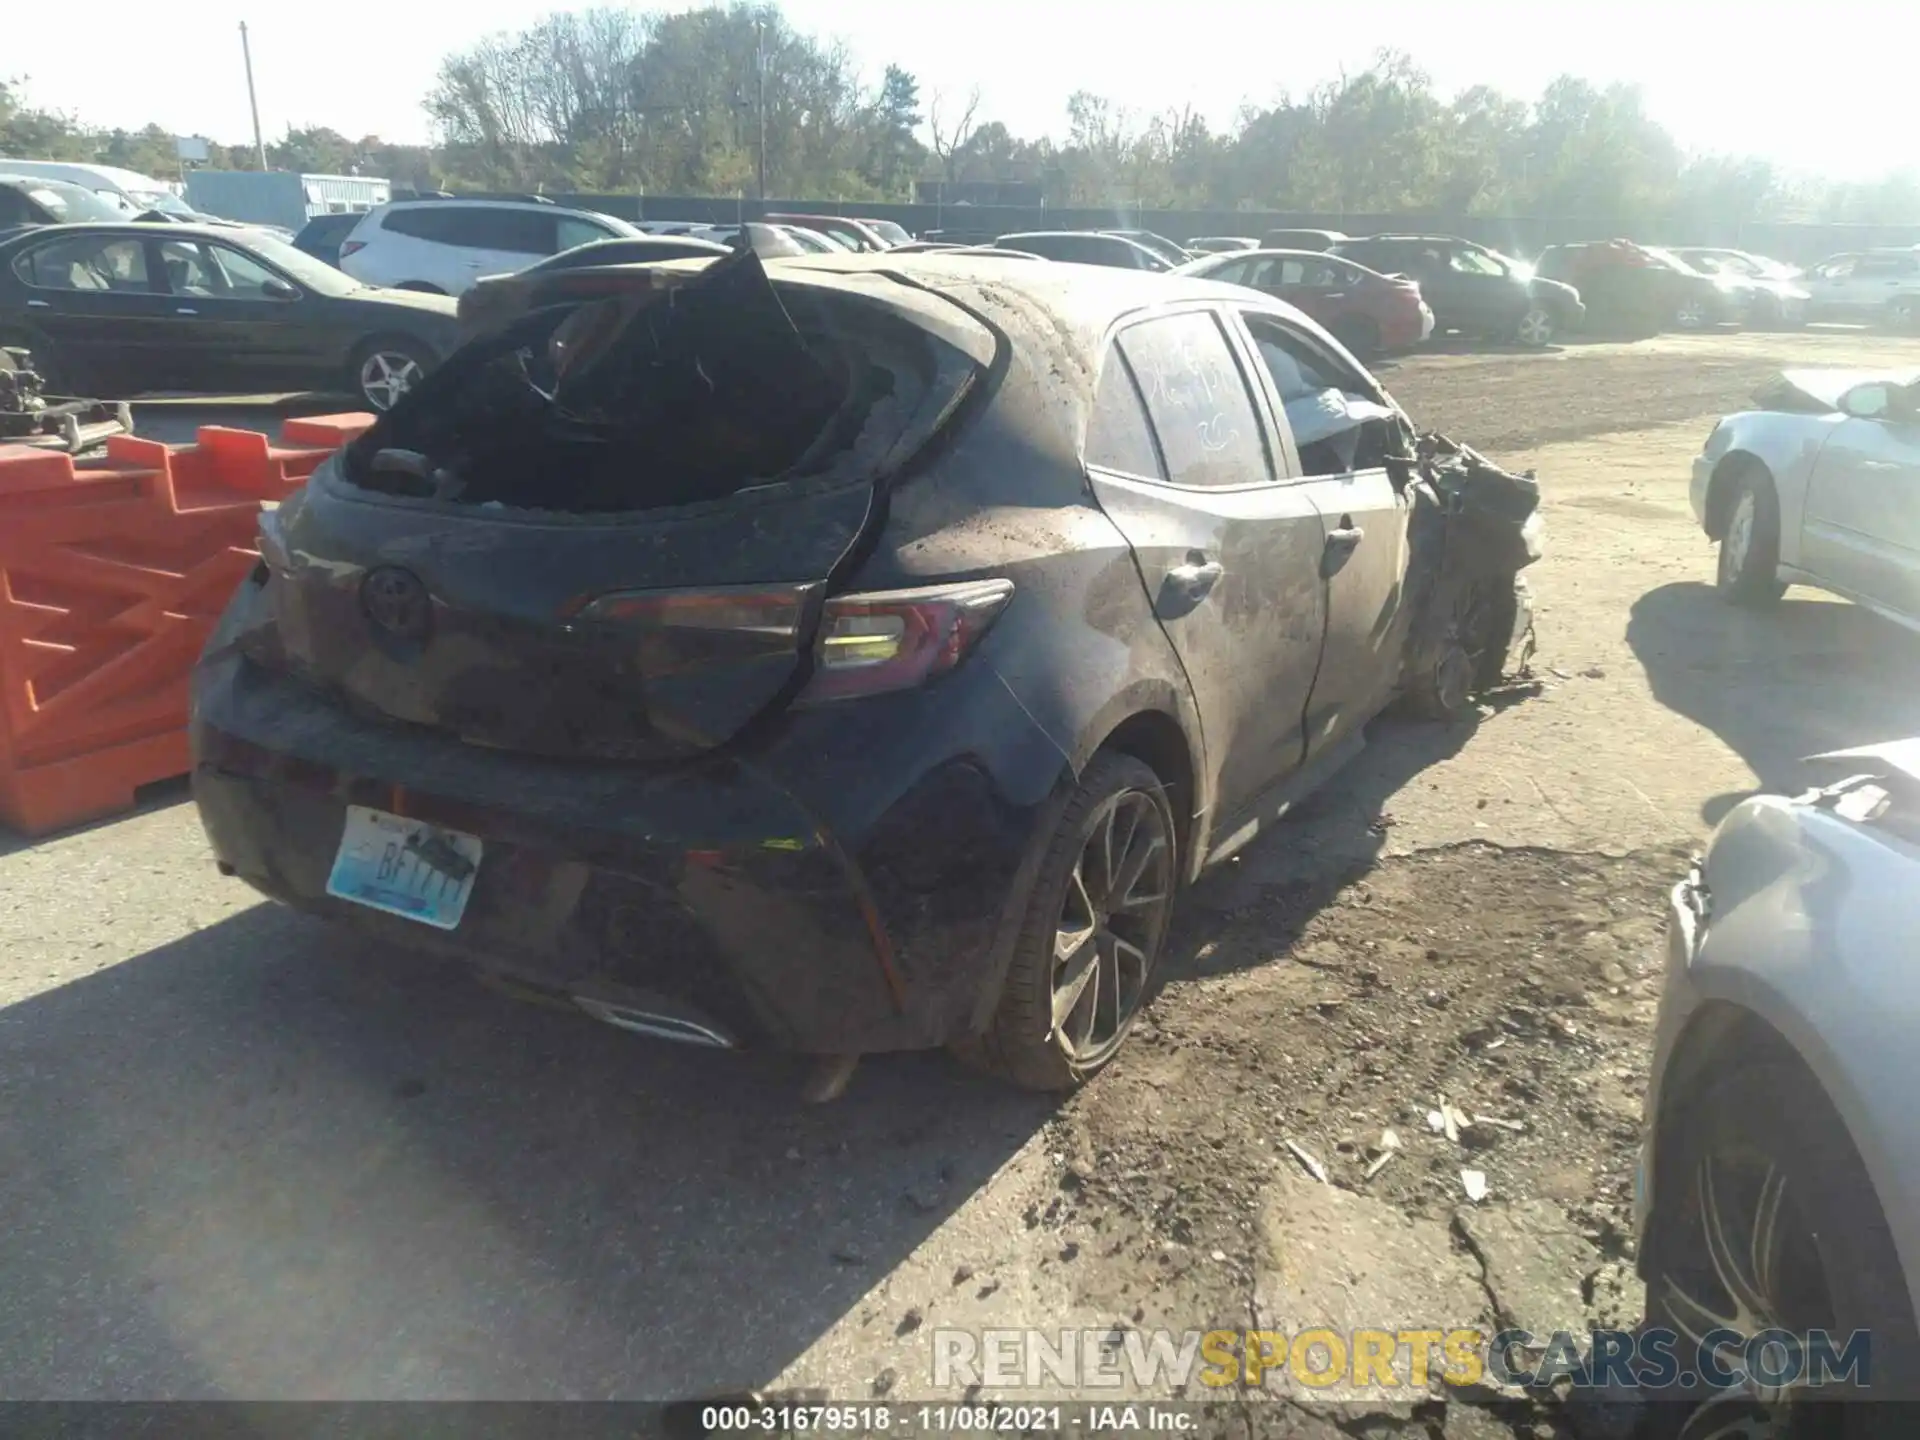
244 1155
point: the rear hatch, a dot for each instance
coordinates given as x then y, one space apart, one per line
607 531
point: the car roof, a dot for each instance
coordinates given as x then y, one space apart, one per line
142 229
545 207
1085 300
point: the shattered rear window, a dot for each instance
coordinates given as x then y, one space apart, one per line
685 388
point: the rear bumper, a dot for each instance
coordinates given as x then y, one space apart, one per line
859 922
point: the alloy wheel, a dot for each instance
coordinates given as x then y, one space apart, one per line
386 375
1738 543
1536 326
1755 1269
1692 315
1119 895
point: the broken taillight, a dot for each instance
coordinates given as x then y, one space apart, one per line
895 639
762 616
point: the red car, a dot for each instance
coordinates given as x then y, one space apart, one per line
1366 311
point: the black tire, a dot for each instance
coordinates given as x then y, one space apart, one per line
1747 569
1765 1128
1536 326
1360 335
388 355
1472 655
1022 1043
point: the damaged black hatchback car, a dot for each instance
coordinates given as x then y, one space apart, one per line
847 655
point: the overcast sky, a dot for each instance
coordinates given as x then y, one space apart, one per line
1823 91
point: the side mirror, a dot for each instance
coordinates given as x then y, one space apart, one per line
275 288
1867 402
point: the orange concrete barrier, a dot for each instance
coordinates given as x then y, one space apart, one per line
112 574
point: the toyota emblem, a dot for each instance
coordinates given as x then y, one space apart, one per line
396 603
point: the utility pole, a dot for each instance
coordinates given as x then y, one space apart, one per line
253 102
760 68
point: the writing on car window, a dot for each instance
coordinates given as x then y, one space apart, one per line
1197 401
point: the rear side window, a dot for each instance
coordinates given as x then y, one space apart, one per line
1234 272
1117 436
1197 399
89 262
428 222
575 231
478 227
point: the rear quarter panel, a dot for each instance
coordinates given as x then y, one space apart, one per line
1078 646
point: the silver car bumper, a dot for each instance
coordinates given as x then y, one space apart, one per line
1697 490
1686 924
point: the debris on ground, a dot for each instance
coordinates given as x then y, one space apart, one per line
29 416
1305 1157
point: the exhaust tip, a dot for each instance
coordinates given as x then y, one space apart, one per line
680 1029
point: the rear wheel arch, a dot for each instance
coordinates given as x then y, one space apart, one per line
1721 489
1156 739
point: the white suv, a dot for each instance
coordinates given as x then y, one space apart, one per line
443 246
1881 285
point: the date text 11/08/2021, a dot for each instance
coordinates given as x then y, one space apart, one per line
959 1419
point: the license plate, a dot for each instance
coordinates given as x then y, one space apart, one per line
405 867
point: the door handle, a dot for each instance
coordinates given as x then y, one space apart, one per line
183 310
1340 544
39 305
1193 581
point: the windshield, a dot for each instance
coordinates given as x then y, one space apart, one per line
1670 261
165 201
888 231
314 274
66 202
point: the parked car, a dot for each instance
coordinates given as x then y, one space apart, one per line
1167 250
769 242
814 242
1781 1155
121 309
495 298
322 236
1221 244
1815 486
1740 262
1085 247
1363 310
441 247
1775 295
1877 286
1636 288
26 200
859 235
1472 289
1302 239
129 192
801 768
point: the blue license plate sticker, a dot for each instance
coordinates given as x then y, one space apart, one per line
405 867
